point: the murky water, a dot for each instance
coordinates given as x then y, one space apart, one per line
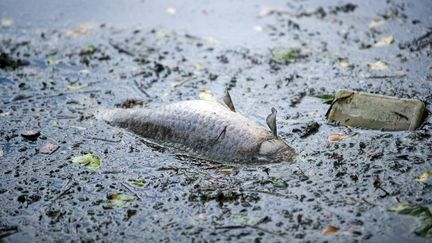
87 55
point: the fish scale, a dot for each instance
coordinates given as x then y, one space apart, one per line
206 129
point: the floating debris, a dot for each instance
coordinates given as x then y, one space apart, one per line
385 41
286 55
48 148
89 160
373 111
425 178
378 65
118 200
329 230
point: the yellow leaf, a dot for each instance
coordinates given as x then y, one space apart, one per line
344 63
6 22
424 177
206 94
329 230
89 160
379 65
385 41
375 22
76 86
199 66
171 11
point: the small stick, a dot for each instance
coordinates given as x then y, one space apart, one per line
140 88
133 192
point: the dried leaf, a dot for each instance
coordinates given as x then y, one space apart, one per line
4 113
375 22
206 94
171 11
90 160
337 137
48 148
329 230
425 177
6 22
118 200
379 65
76 86
199 66
385 41
244 219
344 63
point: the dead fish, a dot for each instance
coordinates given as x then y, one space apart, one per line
207 130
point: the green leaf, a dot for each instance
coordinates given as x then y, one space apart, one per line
118 200
279 183
244 219
286 55
425 177
137 182
326 98
90 160
424 215
76 86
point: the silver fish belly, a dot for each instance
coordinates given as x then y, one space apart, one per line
206 129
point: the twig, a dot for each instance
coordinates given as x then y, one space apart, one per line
120 49
103 139
364 200
229 227
133 192
140 88
67 189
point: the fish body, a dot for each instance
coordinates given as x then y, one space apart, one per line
205 129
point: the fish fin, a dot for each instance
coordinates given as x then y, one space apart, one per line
271 121
227 100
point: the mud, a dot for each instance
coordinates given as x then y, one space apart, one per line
79 61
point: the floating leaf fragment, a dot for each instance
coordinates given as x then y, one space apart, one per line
90 160
48 148
378 65
337 137
118 200
375 22
137 182
199 66
279 183
244 219
6 22
226 170
329 230
385 41
326 98
425 177
171 10
1 152
206 94
344 63
4 113
77 86
286 55
211 40
424 227
265 11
